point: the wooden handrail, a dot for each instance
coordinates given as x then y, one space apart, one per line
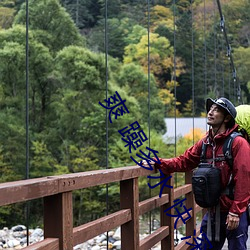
58 208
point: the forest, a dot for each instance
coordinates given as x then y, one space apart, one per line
164 58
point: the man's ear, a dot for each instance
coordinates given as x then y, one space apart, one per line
228 118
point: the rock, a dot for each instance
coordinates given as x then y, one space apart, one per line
117 245
18 234
23 240
3 233
91 242
111 240
38 232
18 228
100 238
80 246
117 235
13 243
111 233
18 247
103 243
95 248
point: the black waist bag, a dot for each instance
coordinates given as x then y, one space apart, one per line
206 182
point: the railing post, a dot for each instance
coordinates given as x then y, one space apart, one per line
168 242
190 203
129 198
58 219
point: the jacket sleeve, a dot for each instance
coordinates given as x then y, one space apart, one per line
241 175
185 162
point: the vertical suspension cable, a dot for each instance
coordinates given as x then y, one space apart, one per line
215 51
174 79
176 240
205 50
107 117
192 28
229 83
149 122
148 24
27 207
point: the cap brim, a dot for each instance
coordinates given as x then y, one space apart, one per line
209 103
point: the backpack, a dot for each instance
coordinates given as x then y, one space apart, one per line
206 179
243 120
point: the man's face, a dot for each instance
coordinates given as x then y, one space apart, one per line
215 116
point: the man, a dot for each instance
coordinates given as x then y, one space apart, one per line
221 115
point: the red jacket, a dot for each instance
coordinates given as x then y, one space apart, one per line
241 167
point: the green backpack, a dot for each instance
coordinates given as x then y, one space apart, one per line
243 120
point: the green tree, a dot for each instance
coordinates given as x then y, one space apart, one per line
84 13
6 17
241 56
53 25
135 81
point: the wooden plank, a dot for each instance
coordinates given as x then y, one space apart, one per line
98 177
90 230
183 245
185 216
24 190
190 203
129 196
187 188
152 203
154 238
58 219
168 242
46 244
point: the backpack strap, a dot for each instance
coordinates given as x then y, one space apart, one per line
227 148
227 151
203 152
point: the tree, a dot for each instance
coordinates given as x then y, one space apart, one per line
135 81
84 13
242 64
161 57
40 60
118 31
161 16
53 25
6 17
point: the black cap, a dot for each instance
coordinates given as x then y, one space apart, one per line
223 103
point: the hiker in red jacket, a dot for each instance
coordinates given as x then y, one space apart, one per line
233 221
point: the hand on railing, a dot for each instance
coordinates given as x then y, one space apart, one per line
148 163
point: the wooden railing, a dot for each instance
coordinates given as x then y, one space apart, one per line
56 192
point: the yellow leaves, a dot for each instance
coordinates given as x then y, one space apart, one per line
195 134
166 96
6 17
171 85
161 16
203 114
159 53
179 69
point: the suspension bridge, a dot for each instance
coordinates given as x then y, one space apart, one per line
56 191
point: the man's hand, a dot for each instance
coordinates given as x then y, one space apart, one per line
232 222
145 163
